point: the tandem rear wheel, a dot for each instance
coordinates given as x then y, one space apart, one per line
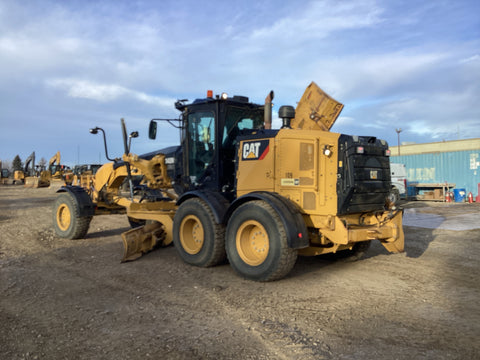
256 243
199 240
255 239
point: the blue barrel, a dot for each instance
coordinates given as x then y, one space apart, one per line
459 195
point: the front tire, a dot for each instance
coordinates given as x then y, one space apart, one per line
256 243
67 222
199 240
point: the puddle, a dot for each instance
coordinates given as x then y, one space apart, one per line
432 221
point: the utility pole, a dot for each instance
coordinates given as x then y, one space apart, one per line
398 135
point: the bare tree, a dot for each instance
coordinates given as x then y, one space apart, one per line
42 164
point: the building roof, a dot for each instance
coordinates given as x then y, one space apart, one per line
443 146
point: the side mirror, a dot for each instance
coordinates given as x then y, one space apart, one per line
152 130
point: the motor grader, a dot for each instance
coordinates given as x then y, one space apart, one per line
236 189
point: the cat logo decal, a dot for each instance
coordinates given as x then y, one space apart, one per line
255 150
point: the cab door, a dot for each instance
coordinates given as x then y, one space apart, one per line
200 140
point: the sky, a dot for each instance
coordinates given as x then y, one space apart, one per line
68 66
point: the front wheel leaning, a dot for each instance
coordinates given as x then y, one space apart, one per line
256 243
67 221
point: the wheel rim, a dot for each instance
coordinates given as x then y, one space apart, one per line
64 217
252 243
191 234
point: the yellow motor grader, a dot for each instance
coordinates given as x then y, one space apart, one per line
235 188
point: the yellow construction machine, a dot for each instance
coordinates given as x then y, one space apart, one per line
30 177
235 188
18 177
55 168
59 173
4 174
83 175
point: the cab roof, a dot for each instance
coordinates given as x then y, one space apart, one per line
236 99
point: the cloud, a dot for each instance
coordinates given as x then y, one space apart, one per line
77 88
474 58
87 90
318 20
392 65
353 76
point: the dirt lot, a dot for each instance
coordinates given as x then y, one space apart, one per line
64 299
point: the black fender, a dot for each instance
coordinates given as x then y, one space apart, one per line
297 234
85 205
215 201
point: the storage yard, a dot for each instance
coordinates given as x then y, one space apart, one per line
433 169
75 300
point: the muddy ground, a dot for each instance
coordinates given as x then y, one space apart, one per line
63 299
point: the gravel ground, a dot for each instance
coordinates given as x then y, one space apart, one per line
63 299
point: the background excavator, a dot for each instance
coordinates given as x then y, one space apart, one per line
59 173
30 177
235 188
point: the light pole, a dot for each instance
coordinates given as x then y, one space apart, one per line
398 135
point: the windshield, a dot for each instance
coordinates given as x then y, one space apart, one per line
237 119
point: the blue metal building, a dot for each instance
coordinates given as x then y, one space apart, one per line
455 162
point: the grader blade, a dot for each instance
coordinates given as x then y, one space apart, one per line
141 240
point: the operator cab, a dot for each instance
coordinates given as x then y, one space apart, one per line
209 131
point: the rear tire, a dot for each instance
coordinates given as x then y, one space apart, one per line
199 240
256 243
67 222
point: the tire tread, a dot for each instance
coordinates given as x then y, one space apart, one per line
80 224
218 254
287 258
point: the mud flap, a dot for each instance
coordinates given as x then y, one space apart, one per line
395 244
141 240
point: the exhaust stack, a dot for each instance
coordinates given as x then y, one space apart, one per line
268 110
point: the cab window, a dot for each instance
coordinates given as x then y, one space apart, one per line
201 142
238 119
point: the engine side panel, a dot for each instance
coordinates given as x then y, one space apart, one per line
256 162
